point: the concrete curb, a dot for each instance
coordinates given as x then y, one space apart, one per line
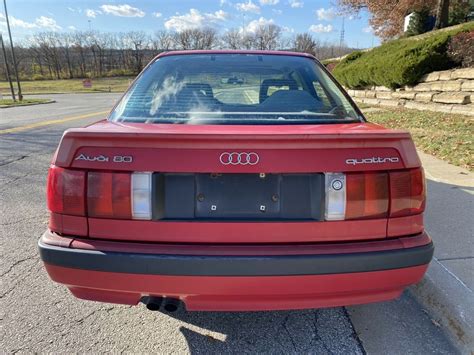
449 302
446 298
30 104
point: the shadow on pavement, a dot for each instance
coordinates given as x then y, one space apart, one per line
324 331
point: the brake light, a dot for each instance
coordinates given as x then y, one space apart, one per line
407 191
109 195
374 194
65 191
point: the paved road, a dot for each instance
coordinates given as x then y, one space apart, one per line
39 316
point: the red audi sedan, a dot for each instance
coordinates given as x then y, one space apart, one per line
236 180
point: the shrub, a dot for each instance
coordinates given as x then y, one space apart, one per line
399 62
419 22
461 49
39 77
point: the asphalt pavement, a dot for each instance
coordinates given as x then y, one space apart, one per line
37 315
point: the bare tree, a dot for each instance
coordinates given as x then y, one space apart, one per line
137 42
197 38
163 41
65 43
267 36
232 39
304 42
94 54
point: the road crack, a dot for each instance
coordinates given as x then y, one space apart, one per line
16 263
14 160
31 218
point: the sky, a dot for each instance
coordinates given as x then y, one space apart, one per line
319 17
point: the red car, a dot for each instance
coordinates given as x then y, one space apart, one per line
275 193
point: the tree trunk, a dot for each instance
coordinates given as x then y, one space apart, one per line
442 14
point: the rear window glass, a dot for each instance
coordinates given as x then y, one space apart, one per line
234 89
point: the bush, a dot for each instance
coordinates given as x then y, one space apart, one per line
461 49
399 62
39 77
419 23
119 72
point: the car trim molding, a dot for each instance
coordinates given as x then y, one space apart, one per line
210 265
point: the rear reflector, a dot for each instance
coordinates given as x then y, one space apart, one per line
65 191
108 195
141 195
407 191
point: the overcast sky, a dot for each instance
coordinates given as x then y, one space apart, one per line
293 16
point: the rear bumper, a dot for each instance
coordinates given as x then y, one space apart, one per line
240 277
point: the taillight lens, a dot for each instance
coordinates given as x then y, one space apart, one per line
66 191
407 192
109 195
367 195
374 194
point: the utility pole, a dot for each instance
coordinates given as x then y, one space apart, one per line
341 40
7 68
15 65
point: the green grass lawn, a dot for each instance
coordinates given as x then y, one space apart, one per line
115 84
447 136
10 102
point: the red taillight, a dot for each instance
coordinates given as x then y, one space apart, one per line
366 195
407 192
109 195
374 194
66 191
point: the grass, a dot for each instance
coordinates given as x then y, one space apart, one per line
115 84
11 103
446 136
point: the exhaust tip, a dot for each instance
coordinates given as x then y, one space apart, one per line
171 305
153 303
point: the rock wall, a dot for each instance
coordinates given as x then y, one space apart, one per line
450 91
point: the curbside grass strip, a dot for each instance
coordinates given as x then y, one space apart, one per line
28 104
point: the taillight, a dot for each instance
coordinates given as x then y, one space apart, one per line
407 191
108 195
119 195
367 195
65 191
374 194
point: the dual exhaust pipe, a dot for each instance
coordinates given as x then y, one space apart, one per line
169 305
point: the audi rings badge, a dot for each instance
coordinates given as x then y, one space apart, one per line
239 158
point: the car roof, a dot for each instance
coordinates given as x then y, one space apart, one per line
228 51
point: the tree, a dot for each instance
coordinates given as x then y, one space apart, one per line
267 36
232 39
442 14
197 38
163 41
387 15
459 11
136 40
304 42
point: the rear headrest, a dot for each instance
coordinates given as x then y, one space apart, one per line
275 82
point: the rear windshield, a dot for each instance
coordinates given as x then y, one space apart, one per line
234 89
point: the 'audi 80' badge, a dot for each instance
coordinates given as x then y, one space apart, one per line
239 158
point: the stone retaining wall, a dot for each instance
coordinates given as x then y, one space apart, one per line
450 91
